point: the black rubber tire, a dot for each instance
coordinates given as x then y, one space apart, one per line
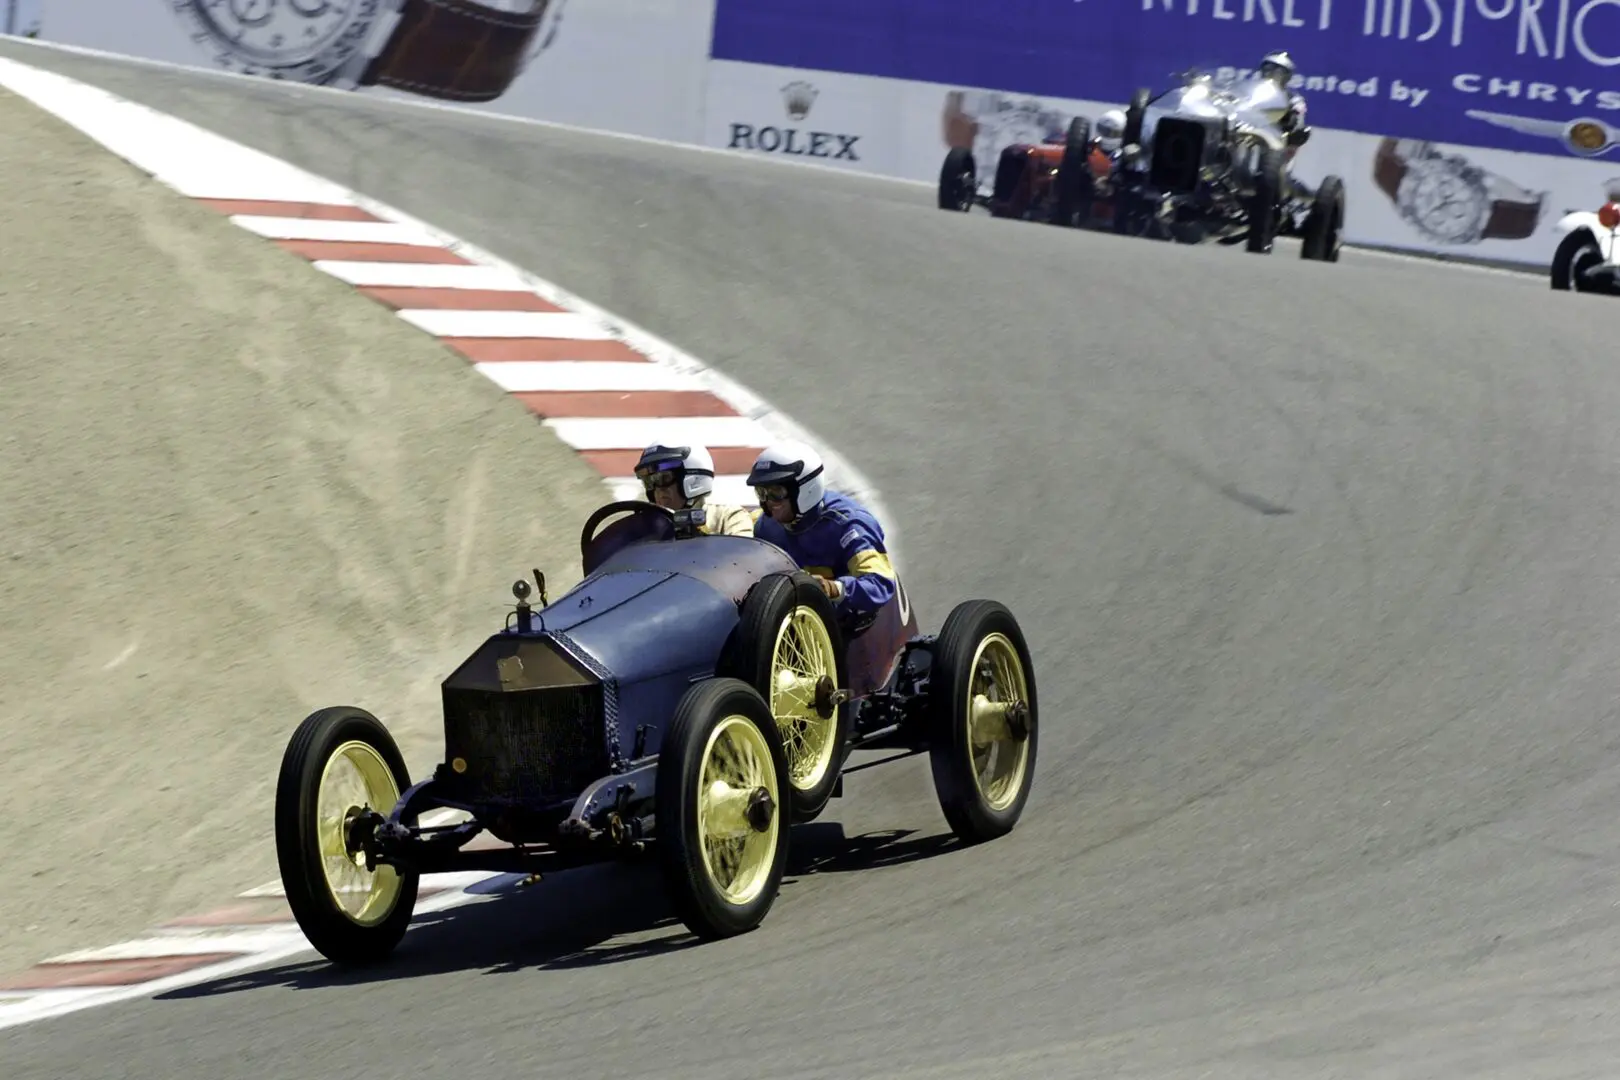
1263 204
1135 113
1011 168
333 934
1561 273
692 893
1324 223
958 183
1076 190
966 810
749 655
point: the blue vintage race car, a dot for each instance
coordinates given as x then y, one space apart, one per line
692 697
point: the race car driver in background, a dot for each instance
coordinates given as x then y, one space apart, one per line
1279 68
679 477
826 532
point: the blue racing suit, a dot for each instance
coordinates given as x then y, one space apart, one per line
841 540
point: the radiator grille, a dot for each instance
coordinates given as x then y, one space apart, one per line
1178 154
525 746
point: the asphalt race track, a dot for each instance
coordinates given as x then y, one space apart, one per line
1320 568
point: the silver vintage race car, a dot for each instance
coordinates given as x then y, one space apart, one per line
1209 160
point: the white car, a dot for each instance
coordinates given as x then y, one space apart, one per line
1587 259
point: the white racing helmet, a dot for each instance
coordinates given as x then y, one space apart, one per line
794 466
1110 128
692 465
1278 67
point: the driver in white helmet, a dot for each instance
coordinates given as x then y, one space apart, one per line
680 477
827 533
1279 68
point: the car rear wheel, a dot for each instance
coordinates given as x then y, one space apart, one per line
958 180
1576 255
983 720
1324 223
1263 203
1075 188
339 762
721 833
789 648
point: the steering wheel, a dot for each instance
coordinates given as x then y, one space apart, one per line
647 521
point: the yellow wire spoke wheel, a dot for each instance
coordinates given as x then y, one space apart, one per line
996 717
804 672
983 720
720 826
340 762
789 648
355 778
737 797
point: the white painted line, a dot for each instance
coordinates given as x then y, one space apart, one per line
518 376
190 944
421 275
620 433
44 1004
195 162
505 324
358 232
16 1002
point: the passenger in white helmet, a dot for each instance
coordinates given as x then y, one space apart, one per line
1110 130
679 477
827 533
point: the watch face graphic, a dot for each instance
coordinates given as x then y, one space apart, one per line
303 40
1451 200
459 50
1445 201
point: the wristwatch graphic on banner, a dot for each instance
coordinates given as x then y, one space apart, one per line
1451 200
459 50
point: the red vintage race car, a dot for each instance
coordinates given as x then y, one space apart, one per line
1060 182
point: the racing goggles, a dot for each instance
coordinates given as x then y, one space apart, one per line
654 481
771 493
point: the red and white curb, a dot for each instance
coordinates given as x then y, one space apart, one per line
255 930
603 386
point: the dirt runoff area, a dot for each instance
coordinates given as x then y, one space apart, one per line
234 491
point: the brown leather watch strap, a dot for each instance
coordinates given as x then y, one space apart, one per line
456 49
1388 168
1513 219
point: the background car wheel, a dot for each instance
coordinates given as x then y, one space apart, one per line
1576 253
983 720
340 761
958 180
721 833
1324 223
1268 186
1075 189
1011 182
789 648
1135 114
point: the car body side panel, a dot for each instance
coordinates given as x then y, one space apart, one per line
652 648
728 564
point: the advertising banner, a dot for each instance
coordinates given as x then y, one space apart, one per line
634 66
1410 194
1537 76
1459 126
